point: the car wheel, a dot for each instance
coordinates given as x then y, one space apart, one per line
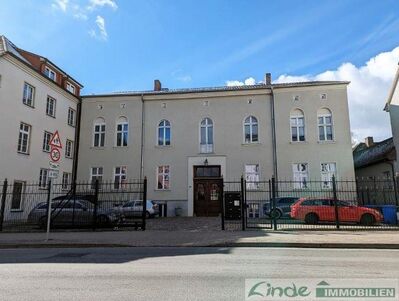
147 215
311 218
367 220
102 220
276 213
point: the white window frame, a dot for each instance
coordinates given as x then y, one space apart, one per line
299 176
100 134
70 87
46 141
43 178
165 174
69 149
95 174
50 73
252 177
71 117
297 127
206 148
28 95
53 106
22 133
251 123
164 125
121 176
66 180
324 125
326 174
122 132
21 197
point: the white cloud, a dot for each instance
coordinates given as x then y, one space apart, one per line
60 4
102 32
100 3
247 82
367 92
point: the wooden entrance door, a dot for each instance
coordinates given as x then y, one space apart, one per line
207 197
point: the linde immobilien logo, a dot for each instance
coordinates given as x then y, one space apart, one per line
321 289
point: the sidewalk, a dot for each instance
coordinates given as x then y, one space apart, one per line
159 238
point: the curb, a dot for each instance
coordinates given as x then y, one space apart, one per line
224 245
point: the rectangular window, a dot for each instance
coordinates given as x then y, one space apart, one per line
50 107
66 180
325 128
328 170
122 133
99 135
50 73
71 117
24 138
17 195
297 129
29 95
253 210
301 175
163 177
96 173
46 140
69 149
120 177
70 88
43 178
252 176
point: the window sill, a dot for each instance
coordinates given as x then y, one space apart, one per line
73 126
68 157
163 146
97 147
251 143
121 147
46 151
298 142
326 142
16 210
161 190
48 115
25 154
32 107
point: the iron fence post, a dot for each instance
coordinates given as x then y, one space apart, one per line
243 209
334 184
222 203
49 188
96 187
144 204
274 217
395 185
3 203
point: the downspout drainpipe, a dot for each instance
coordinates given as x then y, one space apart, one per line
275 175
142 139
394 179
77 140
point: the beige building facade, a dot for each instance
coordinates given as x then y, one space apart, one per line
184 140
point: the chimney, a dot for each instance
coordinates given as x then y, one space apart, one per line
268 79
369 141
157 85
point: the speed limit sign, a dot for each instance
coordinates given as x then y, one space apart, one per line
55 155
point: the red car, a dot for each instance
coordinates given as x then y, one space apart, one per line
314 210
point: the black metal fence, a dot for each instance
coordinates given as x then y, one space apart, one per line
95 205
284 205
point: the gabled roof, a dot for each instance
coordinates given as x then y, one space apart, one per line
220 89
379 152
7 46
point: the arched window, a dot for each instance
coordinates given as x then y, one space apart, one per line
164 133
122 131
325 124
297 121
99 132
251 129
206 133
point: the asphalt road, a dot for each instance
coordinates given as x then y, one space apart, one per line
174 273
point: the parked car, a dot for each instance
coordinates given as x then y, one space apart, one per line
134 208
283 207
72 211
317 210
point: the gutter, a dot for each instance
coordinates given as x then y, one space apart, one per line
275 173
77 140
142 139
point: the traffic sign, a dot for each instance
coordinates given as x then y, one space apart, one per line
53 173
55 140
55 154
54 165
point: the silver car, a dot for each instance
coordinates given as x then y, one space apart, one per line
77 211
134 209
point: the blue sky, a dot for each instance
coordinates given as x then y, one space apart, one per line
113 45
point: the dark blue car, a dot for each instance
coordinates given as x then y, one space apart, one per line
283 207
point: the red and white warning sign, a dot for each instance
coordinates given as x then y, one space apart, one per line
55 154
55 141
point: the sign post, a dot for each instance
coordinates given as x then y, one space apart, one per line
55 156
